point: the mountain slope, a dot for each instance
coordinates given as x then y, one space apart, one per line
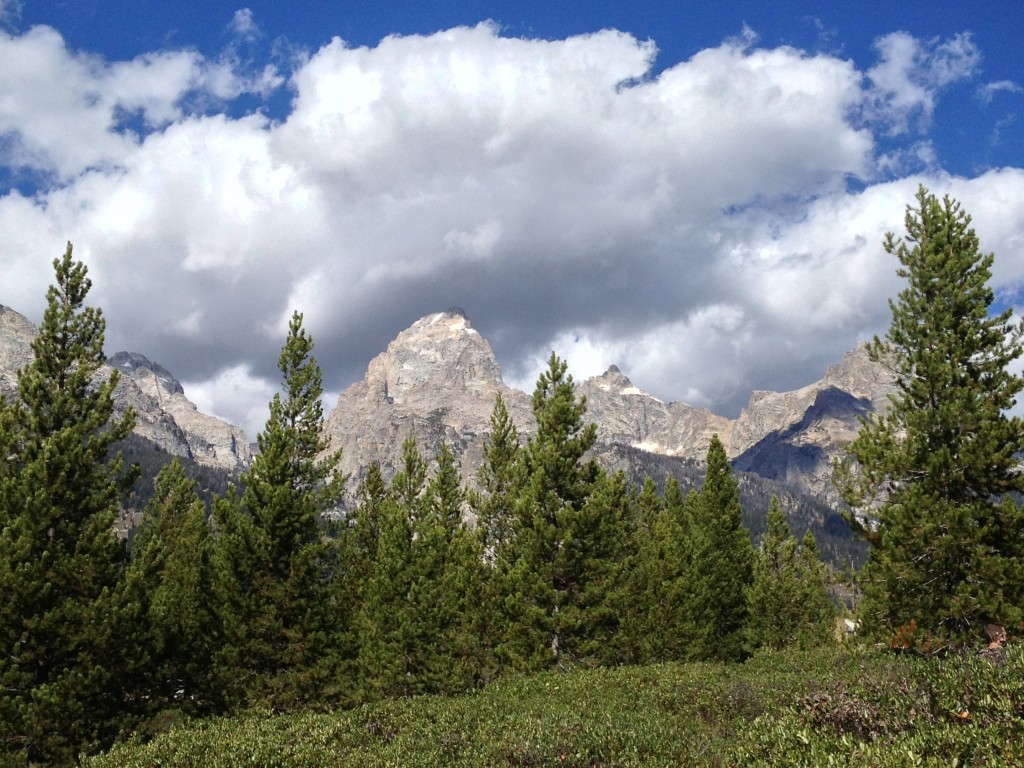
164 416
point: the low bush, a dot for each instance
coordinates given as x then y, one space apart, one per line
829 707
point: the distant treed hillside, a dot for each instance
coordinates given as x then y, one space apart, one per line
836 542
211 482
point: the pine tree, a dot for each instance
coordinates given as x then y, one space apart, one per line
447 594
494 503
419 620
557 484
597 555
821 613
273 567
499 480
662 625
410 482
388 623
929 479
787 600
167 592
361 538
719 563
59 558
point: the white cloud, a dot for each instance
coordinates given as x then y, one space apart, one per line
64 113
988 91
693 227
10 11
243 25
235 395
907 80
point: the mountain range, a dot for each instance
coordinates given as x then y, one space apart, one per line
437 382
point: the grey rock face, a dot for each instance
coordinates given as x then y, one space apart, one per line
437 381
210 440
163 414
16 334
816 422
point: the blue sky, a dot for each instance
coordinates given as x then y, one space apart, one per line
696 193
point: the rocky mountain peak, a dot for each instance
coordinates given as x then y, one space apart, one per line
437 382
142 369
615 381
859 375
437 353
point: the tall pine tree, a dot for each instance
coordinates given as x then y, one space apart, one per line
720 559
419 619
930 479
273 567
558 481
499 480
167 599
660 622
494 503
59 560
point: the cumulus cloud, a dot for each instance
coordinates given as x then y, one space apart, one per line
10 11
65 114
697 227
907 80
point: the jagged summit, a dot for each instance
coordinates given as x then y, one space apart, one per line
137 365
614 380
436 381
438 352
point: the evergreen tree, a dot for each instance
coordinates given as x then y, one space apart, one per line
558 482
821 612
167 594
447 595
719 563
597 555
59 559
388 622
662 628
929 479
273 566
494 503
361 538
419 629
499 480
409 484
358 545
788 600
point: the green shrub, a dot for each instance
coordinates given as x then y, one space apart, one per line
827 707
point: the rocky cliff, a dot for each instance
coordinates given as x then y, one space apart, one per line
164 416
437 381
210 440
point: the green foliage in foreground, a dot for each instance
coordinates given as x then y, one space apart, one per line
814 708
